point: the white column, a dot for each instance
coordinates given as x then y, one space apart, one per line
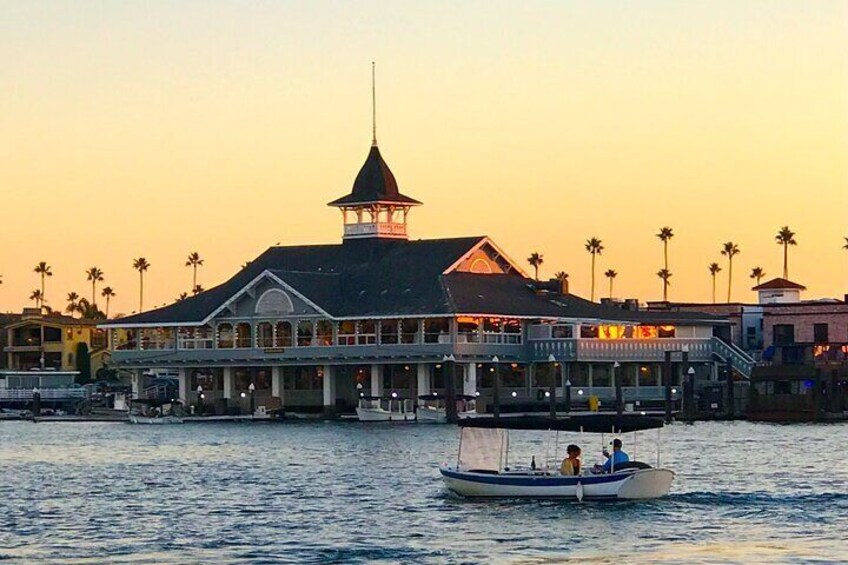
329 386
137 383
277 381
228 382
183 380
469 381
423 378
376 380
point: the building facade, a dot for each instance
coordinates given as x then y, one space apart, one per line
312 328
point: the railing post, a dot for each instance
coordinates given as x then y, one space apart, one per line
450 389
496 390
731 400
667 370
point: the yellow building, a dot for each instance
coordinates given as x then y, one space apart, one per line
51 341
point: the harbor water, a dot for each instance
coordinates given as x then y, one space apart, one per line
325 492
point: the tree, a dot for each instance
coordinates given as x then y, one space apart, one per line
730 250
83 363
610 274
595 247
141 265
38 297
846 243
562 277
665 274
194 261
181 297
108 294
197 289
89 311
536 260
73 303
95 275
714 270
665 235
43 269
785 237
757 273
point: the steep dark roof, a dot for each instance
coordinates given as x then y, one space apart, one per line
778 284
368 278
374 183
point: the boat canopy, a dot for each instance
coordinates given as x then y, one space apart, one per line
594 423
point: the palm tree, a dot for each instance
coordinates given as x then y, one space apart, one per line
610 274
562 277
197 289
757 273
89 311
595 247
846 243
181 297
43 269
665 235
714 270
38 297
665 274
108 294
141 265
73 303
785 237
729 250
536 260
194 261
95 275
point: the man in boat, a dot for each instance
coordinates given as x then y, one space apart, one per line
617 458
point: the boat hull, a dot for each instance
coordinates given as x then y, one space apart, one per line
639 484
380 415
160 421
427 415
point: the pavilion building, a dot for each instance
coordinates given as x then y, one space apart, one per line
315 326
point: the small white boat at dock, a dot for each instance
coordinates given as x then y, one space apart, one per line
378 409
155 412
482 468
432 408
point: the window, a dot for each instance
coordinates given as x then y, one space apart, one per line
244 335
389 332
820 333
274 301
436 330
784 334
304 333
561 331
589 332
468 330
367 332
283 337
324 332
226 336
264 335
409 331
501 330
347 332
666 331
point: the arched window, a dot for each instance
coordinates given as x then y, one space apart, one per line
264 335
304 333
480 266
274 302
243 335
226 337
284 335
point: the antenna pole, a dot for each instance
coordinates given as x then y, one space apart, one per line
373 106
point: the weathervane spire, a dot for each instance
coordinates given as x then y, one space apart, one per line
373 106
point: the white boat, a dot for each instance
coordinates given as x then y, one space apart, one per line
378 409
155 412
432 409
482 468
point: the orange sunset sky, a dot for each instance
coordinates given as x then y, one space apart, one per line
154 129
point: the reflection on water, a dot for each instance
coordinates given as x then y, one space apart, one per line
347 493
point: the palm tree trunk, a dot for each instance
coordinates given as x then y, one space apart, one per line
194 277
141 291
785 260
610 288
42 290
107 307
93 291
729 277
535 269
665 290
665 253
593 277
714 281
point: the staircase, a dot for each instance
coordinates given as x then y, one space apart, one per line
741 361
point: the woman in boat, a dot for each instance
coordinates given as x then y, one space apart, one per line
571 464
